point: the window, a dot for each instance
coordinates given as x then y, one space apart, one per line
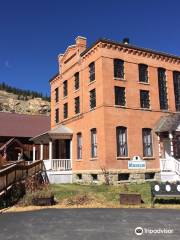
77 105
94 177
147 142
76 81
92 98
143 73
57 115
65 88
93 143
121 138
79 176
118 68
79 146
120 98
123 176
65 110
92 71
57 94
144 99
149 175
176 78
162 89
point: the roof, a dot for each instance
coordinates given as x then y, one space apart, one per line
58 132
168 123
23 125
103 40
108 41
10 142
53 77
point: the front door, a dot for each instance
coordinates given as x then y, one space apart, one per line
167 148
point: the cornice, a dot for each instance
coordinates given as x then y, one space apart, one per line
130 49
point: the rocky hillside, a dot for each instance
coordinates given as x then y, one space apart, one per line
10 102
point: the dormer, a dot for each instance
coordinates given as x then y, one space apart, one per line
72 54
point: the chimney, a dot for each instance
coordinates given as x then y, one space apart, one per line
60 56
125 40
81 43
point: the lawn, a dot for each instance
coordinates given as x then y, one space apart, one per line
98 195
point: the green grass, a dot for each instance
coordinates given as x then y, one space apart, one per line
101 193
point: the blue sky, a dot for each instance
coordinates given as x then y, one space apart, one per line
34 32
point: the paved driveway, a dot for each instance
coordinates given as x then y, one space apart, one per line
90 224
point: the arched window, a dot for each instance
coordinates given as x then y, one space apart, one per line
79 146
147 142
93 143
121 138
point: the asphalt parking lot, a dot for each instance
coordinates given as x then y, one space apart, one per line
88 224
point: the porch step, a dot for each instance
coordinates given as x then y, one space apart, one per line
169 176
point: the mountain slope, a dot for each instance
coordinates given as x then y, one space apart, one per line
10 102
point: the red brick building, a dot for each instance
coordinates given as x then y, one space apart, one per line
114 98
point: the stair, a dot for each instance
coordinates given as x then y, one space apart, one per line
169 176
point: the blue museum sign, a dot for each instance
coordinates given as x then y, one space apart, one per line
136 164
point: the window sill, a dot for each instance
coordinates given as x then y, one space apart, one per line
93 109
123 158
64 97
146 109
119 106
93 159
144 83
95 181
164 110
76 90
91 82
148 158
77 114
79 160
120 79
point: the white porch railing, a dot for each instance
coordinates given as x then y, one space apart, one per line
167 165
170 165
61 164
177 166
58 164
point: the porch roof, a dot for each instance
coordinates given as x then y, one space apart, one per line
168 123
58 132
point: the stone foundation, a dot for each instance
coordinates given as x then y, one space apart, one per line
113 177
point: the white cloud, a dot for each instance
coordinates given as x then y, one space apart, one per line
6 64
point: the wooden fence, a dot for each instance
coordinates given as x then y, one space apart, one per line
18 172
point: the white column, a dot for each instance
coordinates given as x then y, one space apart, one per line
41 152
71 153
70 149
159 145
171 143
34 153
50 153
50 150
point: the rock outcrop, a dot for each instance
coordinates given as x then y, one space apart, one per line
10 102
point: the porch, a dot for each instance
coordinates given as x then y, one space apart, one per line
168 131
59 164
